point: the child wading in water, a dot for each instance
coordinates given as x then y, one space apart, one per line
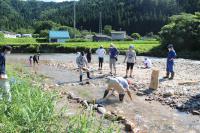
131 59
170 62
31 60
89 55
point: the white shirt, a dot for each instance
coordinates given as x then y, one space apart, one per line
118 83
101 52
81 61
148 63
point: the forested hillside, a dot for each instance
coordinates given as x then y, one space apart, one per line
140 16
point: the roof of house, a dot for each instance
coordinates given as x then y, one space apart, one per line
118 32
59 34
99 35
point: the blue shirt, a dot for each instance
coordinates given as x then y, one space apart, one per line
2 64
113 52
171 55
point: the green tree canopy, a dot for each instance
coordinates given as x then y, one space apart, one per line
183 31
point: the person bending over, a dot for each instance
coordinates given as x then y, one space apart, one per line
118 84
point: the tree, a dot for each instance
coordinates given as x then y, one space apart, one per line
44 25
136 36
107 29
183 31
1 36
72 32
44 33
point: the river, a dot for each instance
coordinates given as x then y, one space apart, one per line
152 117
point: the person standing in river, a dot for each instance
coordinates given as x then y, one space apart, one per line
113 52
170 62
82 63
89 55
101 52
35 59
31 61
131 59
4 83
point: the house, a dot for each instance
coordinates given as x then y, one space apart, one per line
58 36
18 35
98 38
118 35
26 35
88 37
9 34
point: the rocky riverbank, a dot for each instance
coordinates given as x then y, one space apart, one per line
149 115
182 93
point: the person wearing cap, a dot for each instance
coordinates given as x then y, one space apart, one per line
170 62
113 52
101 52
82 63
118 84
4 83
131 59
147 63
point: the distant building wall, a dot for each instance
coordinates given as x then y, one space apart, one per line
10 36
118 35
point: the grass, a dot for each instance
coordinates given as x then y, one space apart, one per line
33 110
140 46
18 41
88 123
31 45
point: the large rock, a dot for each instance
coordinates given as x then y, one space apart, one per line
196 112
70 95
101 110
85 103
168 93
129 126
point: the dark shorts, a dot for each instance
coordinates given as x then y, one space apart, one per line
130 66
101 60
35 61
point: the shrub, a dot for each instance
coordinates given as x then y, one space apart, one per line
136 36
183 31
44 33
78 40
41 40
1 36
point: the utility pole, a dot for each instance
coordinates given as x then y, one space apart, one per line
74 14
100 23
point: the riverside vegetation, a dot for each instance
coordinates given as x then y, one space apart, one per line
33 110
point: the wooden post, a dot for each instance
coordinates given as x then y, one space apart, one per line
154 80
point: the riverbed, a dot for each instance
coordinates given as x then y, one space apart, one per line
150 115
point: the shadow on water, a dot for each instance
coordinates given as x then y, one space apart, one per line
108 101
148 91
192 105
85 80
